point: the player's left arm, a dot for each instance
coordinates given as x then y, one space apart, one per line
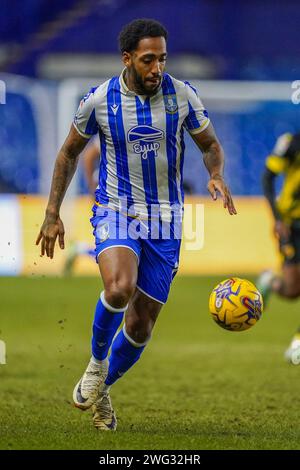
213 157
197 123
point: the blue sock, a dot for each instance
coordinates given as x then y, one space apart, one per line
123 355
106 322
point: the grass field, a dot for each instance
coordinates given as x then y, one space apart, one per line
196 387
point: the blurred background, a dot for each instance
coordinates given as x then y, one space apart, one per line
202 387
242 57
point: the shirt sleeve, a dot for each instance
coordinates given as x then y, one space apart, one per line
277 162
85 118
197 119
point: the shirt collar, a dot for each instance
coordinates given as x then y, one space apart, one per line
123 86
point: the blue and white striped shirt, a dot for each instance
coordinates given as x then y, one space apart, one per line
142 146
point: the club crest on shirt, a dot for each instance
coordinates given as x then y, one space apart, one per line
145 139
171 105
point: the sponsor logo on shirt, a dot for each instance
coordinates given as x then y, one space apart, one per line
145 139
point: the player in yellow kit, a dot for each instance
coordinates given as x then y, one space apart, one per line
285 160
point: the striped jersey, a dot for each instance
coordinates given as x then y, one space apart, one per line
141 138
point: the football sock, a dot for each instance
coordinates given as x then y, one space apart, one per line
124 354
98 362
106 322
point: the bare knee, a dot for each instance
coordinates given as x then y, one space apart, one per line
292 291
138 329
289 285
118 292
141 317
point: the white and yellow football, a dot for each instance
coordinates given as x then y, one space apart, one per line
236 304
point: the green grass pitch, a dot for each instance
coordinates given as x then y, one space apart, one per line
196 386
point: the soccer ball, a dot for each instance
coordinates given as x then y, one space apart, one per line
236 304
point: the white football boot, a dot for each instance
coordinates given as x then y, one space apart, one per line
292 354
86 390
104 417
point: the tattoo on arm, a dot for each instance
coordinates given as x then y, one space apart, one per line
213 155
213 158
63 172
65 167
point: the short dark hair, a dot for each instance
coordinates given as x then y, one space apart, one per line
133 32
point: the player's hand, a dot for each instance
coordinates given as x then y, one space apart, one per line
281 230
217 184
51 228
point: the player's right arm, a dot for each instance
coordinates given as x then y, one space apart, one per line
65 167
82 129
276 164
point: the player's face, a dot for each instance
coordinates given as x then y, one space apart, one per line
146 64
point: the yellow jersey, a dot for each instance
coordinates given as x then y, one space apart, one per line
285 159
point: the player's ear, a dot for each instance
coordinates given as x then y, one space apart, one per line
126 57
